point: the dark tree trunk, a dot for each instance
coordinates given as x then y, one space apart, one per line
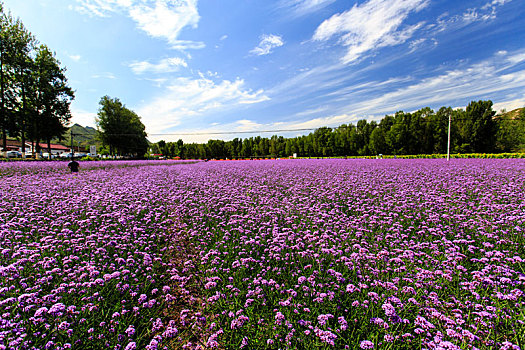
23 142
4 141
37 149
49 148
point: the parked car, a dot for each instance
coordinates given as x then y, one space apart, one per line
14 154
66 155
46 155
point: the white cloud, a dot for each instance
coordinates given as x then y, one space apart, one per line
183 45
416 43
158 82
166 65
192 97
481 80
471 15
313 111
75 58
267 44
369 26
105 75
333 120
224 37
303 7
100 8
158 18
495 3
515 58
246 125
510 104
83 118
167 18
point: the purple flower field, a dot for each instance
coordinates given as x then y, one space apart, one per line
335 254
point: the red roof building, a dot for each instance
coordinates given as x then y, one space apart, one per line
15 145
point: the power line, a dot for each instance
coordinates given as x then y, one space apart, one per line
210 132
234 132
425 120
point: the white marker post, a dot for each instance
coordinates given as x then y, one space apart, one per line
448 143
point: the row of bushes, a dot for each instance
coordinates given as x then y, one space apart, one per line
438 156
415 156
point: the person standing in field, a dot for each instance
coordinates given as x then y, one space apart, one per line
73 165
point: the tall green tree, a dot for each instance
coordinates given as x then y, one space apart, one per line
483 131
52 99
440 129
420 129
246 149
377 144
322 142
262 146
7 57
510 136
24 67
121 129
217 148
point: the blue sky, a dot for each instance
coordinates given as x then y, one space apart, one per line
194 68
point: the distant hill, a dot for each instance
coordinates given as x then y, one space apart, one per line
514 114
83 136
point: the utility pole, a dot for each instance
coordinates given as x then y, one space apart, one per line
72 149
448 142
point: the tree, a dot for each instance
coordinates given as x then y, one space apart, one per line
121 129
52 99
22 86
440 129
246 149
236 147
6 75
377 144
420 136
510 136
480 114
262 147
217 149
160 147
321 142
16 66
180 148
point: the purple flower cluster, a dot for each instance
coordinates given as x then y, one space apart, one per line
287 254
358 253
84 259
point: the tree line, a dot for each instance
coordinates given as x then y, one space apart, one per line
475 129
34 92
